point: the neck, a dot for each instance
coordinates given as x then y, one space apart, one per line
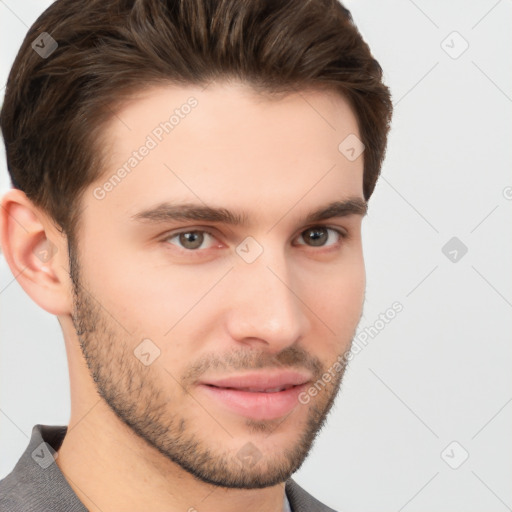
110 468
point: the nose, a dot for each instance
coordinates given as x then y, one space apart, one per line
266 309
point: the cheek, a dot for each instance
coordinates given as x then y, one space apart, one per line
338 298
151 298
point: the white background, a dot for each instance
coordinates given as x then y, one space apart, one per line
440 371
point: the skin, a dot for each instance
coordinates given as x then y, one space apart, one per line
146 434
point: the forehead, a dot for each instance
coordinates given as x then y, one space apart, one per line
227 145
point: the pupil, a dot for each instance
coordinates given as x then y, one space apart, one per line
192 239
317 236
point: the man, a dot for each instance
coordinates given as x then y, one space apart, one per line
190 179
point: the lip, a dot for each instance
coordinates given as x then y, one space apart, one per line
253 404
261 380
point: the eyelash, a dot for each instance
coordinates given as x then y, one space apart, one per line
197 252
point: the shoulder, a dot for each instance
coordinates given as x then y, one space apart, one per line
15 494
301 501
36 484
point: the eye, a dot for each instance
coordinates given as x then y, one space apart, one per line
316 236
191 240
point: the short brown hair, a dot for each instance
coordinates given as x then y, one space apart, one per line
55 107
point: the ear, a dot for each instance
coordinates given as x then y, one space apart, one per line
36 253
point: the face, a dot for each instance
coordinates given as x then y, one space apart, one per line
202 262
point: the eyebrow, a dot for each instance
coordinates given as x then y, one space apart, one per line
168 212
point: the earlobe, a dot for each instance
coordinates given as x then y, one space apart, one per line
33 249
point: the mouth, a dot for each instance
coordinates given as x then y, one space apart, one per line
256 390
259 403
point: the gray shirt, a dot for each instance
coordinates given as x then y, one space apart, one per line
36 484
